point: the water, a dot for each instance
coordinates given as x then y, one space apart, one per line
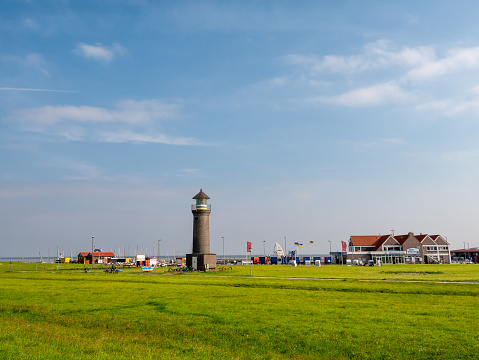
27 259
219 257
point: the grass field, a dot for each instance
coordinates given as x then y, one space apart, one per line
333 312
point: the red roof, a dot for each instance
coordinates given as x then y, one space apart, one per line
105 254
420 237
401 239
365 240
84 254
378 240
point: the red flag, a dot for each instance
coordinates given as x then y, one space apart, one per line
248 246
345 246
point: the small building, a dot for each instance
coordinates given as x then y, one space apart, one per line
82 258
399 249
97 257
466 255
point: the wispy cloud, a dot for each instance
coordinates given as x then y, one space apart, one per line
374 95
450 107
134 137
100 52
460 156
130 122
383 74
74 170
31 24
127 111
33 89
376 143
376 56
32 61
456 59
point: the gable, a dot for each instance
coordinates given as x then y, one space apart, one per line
427 241
385 240
411 242
390 241
439 240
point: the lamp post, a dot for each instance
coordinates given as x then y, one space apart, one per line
91 265
264 248
310 256
159 250
330 250
223 250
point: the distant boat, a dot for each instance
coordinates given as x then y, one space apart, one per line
147 268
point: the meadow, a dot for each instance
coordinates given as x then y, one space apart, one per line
332 312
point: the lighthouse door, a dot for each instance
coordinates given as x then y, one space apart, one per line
194 263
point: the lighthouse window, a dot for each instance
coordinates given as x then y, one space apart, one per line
198 202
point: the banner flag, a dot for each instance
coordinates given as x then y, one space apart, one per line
311 242
248 246
344 245
298 244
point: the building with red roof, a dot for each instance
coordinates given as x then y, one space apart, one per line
97 257
399 249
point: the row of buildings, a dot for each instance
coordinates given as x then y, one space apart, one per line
398 249
387 249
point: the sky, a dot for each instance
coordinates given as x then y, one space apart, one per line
301 120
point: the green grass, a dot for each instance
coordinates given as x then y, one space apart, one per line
281 312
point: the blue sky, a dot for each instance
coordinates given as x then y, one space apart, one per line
306 120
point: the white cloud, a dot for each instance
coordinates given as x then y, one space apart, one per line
376 143
130 122
48 115
451 107
33 89
393 76
133 137
31 61
373 95
460 156
31 24
129 111
375 56
36 60
457 59
99 52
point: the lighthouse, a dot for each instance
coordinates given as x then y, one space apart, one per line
201 258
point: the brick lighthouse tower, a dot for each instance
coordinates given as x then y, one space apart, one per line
201 257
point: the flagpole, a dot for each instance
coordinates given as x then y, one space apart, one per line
248 249
250 266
